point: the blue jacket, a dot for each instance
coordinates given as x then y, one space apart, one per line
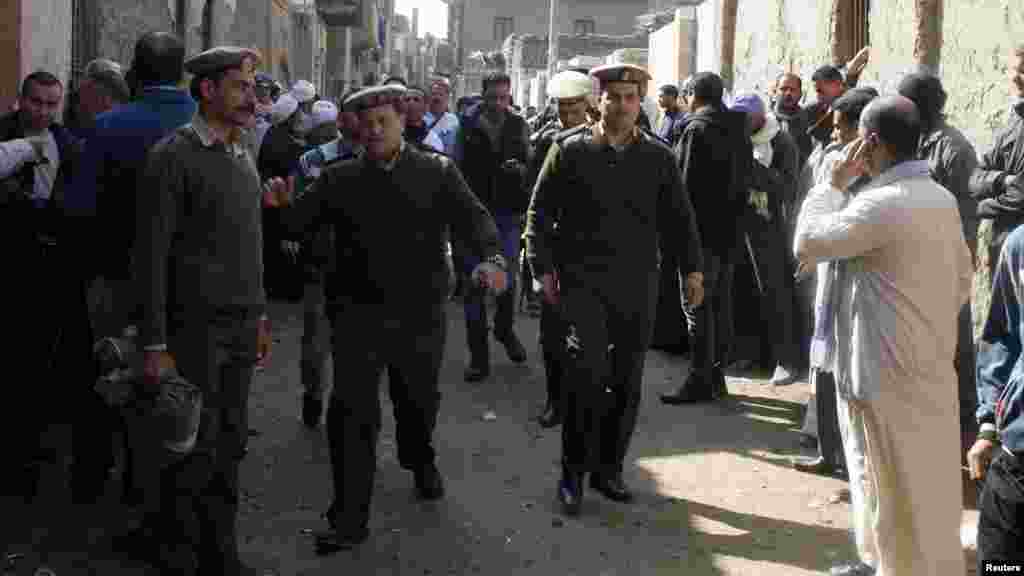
1000 363
115 156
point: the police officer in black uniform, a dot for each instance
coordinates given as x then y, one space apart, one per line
616 197
386 298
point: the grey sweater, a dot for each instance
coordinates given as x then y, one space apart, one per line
199 233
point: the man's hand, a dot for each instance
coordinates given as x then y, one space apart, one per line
39 144
804 271
549 287
263 340
694 289
1011 181
153 364
852 166
860 60
490 276
979 457
278 192
291 249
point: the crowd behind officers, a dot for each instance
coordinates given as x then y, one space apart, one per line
852 211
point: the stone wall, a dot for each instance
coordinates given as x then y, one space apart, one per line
46 38
122 22
776 35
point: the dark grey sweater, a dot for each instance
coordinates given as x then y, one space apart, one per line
199 236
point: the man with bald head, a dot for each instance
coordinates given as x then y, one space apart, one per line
903 272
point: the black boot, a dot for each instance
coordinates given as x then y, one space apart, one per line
611 487
570 492
694 390
312 408
429 483
479 352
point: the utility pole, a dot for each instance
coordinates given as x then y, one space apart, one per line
553 39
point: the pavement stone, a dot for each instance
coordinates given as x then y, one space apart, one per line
714 491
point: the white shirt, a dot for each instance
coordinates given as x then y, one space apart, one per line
908 273
16 153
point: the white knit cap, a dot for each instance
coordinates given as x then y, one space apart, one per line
283 109
303 91
569 84
324 112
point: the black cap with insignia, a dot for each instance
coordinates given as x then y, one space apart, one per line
221 58
629 73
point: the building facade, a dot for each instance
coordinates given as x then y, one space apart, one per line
62 36
772 36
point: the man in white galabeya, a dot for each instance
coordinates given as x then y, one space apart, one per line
904 271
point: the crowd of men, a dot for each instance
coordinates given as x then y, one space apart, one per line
164 217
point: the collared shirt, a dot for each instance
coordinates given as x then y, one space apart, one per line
209 139
446 129
668 130
908 273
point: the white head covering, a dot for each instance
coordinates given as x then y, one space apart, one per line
324 112
303 91
569 84
283 109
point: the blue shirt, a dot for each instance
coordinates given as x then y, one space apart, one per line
669 130
1000 363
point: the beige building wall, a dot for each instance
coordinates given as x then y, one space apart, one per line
611 17
120 23
777 35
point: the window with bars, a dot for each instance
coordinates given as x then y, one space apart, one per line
503 28
583 26
856 33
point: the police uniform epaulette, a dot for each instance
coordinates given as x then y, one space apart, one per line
566 134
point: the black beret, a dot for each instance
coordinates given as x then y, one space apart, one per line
220 58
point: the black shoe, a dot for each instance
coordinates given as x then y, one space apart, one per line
429 483
332 541
312 408
719 390
475 373
570 493
817 465
611 487
550 418
691 392
855 569
513 347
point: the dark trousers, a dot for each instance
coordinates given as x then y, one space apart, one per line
314 340
475 306
710 324
773 266
608 328
367 339
52 372
830 442
552 345
1001 520
198 495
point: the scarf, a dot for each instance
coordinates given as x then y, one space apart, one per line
762 140
763 154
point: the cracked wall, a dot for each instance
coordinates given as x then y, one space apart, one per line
978 35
